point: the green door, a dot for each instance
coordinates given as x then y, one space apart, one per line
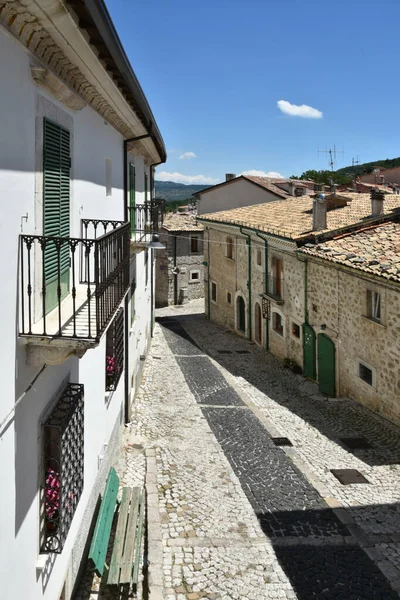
241 315
326 365
308 351
56 211
132 196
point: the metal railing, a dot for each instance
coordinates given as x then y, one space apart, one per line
275 288
146 218
72 287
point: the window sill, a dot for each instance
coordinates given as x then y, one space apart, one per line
371 320
194 281
370 386
278 333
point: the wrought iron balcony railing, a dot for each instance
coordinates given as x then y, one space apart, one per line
70 288
146 218
275 289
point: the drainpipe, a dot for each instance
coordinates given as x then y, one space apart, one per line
208 278
175 274
248 243
265 286
305 291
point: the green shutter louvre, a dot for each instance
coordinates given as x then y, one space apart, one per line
56 206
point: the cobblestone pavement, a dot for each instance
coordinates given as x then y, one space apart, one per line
239 517
315 525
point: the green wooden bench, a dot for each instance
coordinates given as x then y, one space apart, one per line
125 558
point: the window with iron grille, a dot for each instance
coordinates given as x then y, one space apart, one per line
63 456
115 351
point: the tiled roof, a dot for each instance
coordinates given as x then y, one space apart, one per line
181 222
292 218
373 250
268 184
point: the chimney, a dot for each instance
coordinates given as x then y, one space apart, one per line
319 212
292 188
377 199
230 176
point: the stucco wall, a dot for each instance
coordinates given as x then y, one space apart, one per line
233 195
21 118
390 176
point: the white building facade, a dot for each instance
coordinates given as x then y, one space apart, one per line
78 278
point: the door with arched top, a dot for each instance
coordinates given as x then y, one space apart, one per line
257 324
241 314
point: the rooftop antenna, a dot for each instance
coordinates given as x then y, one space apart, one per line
332 156
355 161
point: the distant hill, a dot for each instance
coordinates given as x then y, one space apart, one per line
388 163
176 191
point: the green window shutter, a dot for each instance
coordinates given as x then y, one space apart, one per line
132 196
56 195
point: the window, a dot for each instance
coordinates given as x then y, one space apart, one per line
277 323
276 284
108 177
374 305
213 291
229 297
63 467
133 290
259 258
115 351
132 196
146 186
365 373
194 244
194 276
296 330
229 247
146 262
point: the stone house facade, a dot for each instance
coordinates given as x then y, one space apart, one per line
265 280
180 268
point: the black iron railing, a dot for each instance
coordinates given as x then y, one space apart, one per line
274 288
146 218
72 287
63 453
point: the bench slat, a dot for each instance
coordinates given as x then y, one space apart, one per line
138 540
101 536
128 554
119 542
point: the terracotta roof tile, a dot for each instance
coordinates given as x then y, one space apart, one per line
373 250
292 218
268 184
181 222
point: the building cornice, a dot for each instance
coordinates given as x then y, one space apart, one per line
51 33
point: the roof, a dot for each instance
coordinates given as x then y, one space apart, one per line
95 19
263 182
292 218
374 250
181 222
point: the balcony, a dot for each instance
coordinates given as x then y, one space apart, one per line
275 289
145 219
70 289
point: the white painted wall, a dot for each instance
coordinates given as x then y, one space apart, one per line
234 195
20 455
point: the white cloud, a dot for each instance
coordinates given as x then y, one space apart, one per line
307 112
188 155
255 173
187 179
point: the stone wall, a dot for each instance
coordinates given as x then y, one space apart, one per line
186 262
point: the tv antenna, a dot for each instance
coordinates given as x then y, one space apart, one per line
332 156
355 161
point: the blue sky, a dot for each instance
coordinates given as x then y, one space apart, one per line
213 72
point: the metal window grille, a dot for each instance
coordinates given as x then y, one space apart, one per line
63 435
365 373
213 292
115 351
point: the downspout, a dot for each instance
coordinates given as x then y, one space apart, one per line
306 291
265 286
208 278
126 301
248 243
175 274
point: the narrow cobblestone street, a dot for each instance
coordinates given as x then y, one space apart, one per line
236 516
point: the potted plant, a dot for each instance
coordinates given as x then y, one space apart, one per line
52 499
110 371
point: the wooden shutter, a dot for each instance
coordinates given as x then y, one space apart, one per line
56 195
